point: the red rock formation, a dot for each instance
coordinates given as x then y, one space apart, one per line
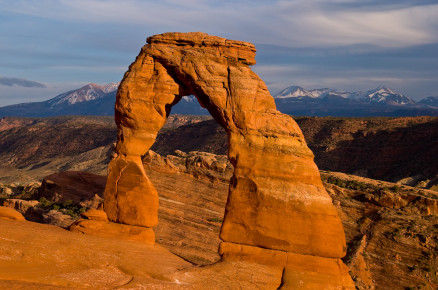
74 186
10 213
276 197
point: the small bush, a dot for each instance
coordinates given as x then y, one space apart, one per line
394 188
215 220
67 207
45 203
348 184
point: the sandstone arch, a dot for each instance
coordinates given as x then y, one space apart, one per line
276 197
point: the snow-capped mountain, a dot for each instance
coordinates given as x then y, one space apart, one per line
382 95
99 100
91 99
84 94
378 95
430 101
380 101
299 92
111 87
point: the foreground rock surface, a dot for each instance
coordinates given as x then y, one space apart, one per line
390 229
37 256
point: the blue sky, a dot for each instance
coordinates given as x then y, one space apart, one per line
58 45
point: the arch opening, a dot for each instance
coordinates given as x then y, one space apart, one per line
192 187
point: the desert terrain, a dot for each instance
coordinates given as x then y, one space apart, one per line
391 228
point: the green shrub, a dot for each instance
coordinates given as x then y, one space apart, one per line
215 220
67 207
45 203
348 184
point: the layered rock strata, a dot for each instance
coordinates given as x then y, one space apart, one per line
276 198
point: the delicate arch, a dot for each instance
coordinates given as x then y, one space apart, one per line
276 197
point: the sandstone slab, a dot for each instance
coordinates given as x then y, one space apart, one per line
310 272
114 230
38 256
94 214
10 213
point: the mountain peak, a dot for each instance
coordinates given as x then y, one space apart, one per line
86 93
296 92
108 88
385 95
430 101
299 92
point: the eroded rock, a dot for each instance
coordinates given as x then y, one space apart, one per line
276 198
57 218
28 208
10 213
114 230
74 186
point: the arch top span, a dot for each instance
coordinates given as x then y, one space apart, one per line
240 51
276 198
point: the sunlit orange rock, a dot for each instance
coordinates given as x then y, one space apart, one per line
11 214
276 197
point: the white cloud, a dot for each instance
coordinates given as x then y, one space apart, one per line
95 40
16 95
18 82
291 23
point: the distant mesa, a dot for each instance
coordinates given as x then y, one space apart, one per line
278 214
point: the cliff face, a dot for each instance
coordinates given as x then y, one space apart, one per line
379 148
29 141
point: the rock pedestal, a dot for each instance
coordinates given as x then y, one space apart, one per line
276 200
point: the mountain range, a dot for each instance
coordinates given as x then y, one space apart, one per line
379 95
381 101
94 99
91 99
